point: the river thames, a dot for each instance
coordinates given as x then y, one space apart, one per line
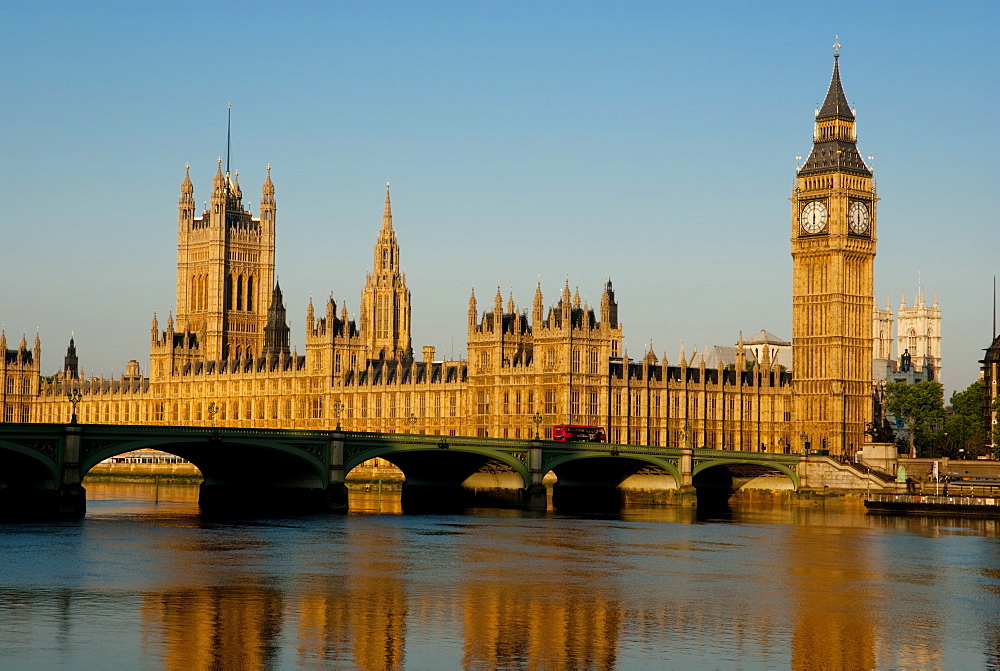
144 582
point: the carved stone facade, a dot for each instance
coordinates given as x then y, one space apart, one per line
19 373
225 359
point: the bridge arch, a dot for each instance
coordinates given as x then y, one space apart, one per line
743 470
598 480
716 479
230 460
31 464
245 471
450 474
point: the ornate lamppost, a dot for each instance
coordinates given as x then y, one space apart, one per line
213 410
338 407
412 421
803 437
537 419
687 434
74 398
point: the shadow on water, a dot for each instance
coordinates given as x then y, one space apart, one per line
713 505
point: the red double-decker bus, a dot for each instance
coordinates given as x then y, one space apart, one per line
579 434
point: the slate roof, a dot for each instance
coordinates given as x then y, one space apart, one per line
835 104
832 154
762 336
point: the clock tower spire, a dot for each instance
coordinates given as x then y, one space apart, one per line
833 254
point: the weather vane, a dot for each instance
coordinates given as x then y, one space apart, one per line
836 45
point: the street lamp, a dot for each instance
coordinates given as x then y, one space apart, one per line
537 419
687 434
412 421
74 398
338 407
803 437
213 410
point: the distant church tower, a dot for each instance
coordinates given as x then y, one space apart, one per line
833 254
385 300
882 321
225 269
919 332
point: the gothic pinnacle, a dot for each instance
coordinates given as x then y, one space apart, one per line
187 187
268 188
387 214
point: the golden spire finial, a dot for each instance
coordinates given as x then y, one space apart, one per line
836 46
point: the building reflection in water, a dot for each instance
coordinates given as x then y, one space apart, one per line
235 626
832 617
831 590
358 618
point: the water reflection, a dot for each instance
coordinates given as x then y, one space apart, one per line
145 581
234 626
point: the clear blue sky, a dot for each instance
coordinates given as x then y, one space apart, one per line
651 142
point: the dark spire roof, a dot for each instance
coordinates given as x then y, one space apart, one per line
838 151
71 364
835 104
835 156
276 330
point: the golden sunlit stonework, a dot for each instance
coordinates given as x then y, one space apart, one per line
225 359
833 253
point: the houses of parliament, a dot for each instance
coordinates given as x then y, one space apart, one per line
224 357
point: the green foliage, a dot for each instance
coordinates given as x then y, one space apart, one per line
964 433
921 406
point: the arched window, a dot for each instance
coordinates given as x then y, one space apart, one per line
250 293
239 292
229 292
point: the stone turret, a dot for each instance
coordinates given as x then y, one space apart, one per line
276 331
71 364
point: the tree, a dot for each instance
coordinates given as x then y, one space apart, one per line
921 406
964 433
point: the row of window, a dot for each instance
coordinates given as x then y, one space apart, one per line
13 413
550 360
12 386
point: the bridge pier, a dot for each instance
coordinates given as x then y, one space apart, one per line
71 498
535 496
337 489
40 493
687 494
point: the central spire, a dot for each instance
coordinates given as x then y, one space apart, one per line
387 214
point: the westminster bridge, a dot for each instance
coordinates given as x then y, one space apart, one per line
42 467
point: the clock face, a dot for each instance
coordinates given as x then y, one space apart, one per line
858 217
814 216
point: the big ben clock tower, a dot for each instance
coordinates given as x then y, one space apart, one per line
833 254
